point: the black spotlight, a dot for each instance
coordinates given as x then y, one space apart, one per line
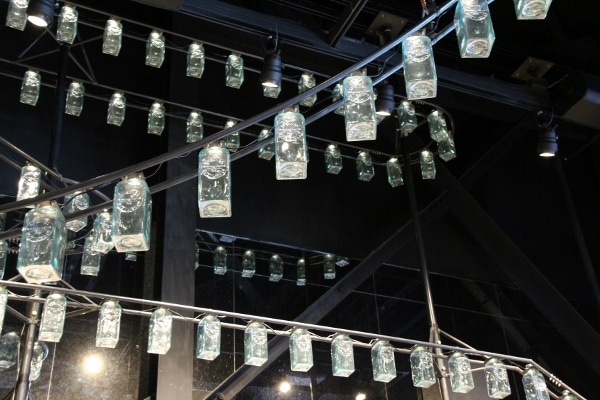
547 144
40 12
270 75
384 105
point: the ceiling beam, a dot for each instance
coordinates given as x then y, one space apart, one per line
345 21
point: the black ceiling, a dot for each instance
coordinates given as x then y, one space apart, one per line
511 239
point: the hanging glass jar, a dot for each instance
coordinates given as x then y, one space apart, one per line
419 68
75 202
214 181
155 49
220 261
333 159
384 364
53 318
496 379
234 71
100 237
195 60
208 343
342 356
461 377
74 100
194 127
109 325
16 17
112 38
301 356
275 268
30 87
29 183
67 24
132 213
248 264
256 346
160 330
359 108
291 152
422 368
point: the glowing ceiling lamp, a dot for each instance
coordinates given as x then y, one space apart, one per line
40 12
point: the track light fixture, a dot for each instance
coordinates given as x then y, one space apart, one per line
384 105
547 145
40 12
270 76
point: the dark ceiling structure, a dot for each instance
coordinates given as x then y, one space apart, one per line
510 239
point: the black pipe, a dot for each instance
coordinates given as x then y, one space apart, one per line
33 313
59 107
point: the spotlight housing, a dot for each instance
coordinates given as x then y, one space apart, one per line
384 105
40 12
547 144
270 75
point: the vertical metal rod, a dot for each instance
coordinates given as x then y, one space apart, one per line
59 108
434 329
33 312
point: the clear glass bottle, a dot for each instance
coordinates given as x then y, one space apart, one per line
438 130
272 91
29 182
30 87
446 149
301 272
208 343
461 377
53 318
364 166
132 214
75 202
420 76
155 49
567 396
532 9
116 109
275 268
329 266
232 141
75 96
307 81
256 345
16 17
291 152
422 368
384 364
342 356
234 71
101 233
159 332
3 257
67 24
195 60
43 244
109 325
131 256
3 303
301 356
359 108
394 172
496 379
333 159
266 152
9 350
37 360
194 127
156 118
427 165
248 264
534 385
214 181
112 38
220 260
407 117
337 94
474 29
91 259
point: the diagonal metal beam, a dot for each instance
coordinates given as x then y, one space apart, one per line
345 21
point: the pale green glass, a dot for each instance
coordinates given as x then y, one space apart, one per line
131 256
91 258
3 302
160 330
532 9
256 346
337 94
420 76
116 109
43 244
248 264
214 182
234 71
291 152
3 257
568 396
271 91
37 360
67 24
156 118
329 266
220 261
394 172
342 356
534 385
307 81
301 356
112 38
53 318
266 152
446 149
422 368
364 166
496 379
131 215
155 49
461 377
195 60
75 96
16 17
427 165
384 364
275 268
232 141
194 127
301 272
109 325
474 30
407 117
438 130
333 159
208 343
359 108
101 233
9 350
30 87
29 182
73 203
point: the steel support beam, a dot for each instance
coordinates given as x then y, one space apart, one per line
345 21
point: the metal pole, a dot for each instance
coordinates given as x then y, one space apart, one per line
33 311
434 329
